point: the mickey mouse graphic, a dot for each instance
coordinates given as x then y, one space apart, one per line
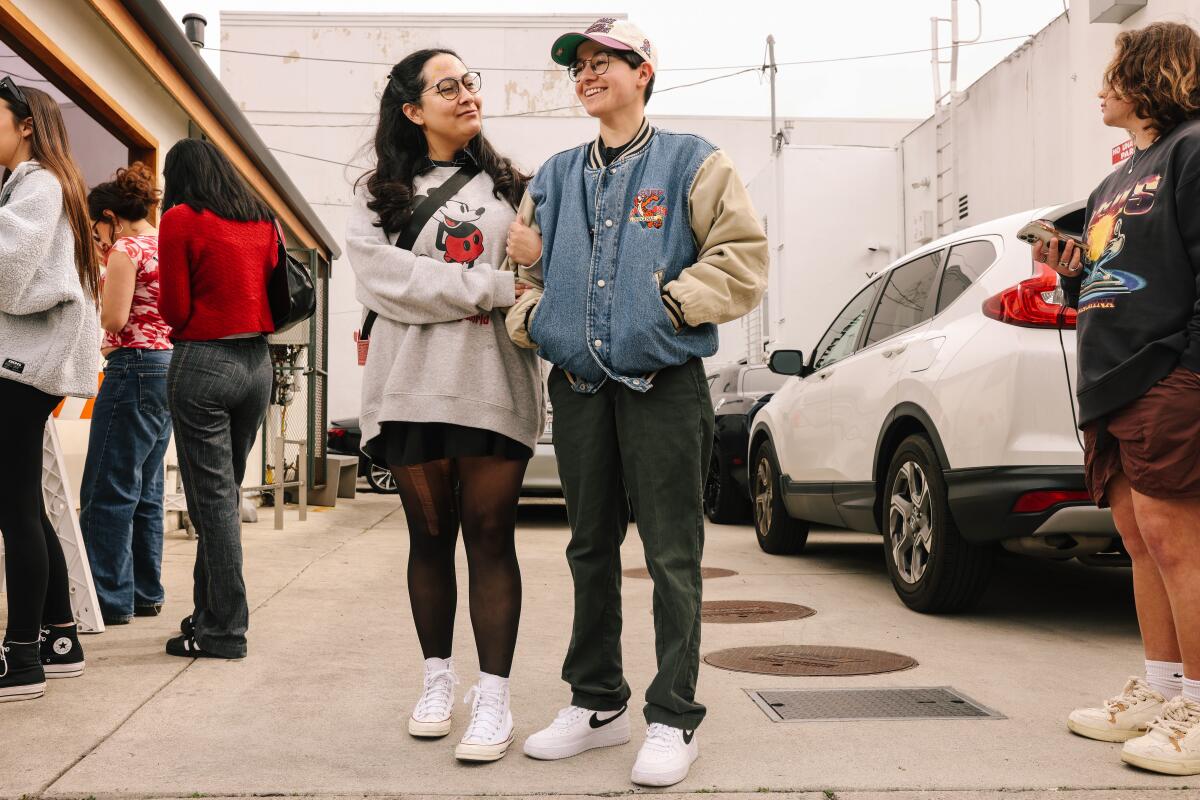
458 238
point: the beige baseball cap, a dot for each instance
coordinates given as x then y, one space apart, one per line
617 34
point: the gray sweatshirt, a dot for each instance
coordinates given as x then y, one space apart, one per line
439 350
49 329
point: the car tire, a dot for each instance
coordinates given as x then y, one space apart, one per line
381 480
777 533
723 504
934 570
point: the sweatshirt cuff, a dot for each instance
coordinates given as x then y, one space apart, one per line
504 289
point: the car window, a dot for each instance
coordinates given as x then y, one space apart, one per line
838 342
761 380
964 265
905 300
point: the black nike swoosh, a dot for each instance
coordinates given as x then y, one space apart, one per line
596 722
688 736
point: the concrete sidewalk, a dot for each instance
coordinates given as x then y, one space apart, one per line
319 706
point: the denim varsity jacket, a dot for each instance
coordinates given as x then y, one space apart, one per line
641 259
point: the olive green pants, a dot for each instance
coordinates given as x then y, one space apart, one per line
650 449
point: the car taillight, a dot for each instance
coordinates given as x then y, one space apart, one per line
1036 502
337 433
1031 303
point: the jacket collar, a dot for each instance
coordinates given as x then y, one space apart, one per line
638 143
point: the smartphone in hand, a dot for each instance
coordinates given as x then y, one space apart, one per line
1041 230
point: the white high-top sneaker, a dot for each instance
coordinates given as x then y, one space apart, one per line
431 716
490 732
1121 718
665 757
1173 744
576 730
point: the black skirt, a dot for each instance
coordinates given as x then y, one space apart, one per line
405 444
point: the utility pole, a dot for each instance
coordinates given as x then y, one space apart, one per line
776 136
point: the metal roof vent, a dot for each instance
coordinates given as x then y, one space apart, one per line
193 27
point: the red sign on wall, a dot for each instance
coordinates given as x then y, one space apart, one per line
1122 152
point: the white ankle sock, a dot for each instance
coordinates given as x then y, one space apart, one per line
494 683
1191 689
1165 677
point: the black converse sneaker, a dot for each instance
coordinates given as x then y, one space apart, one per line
61 655
21 674
186 646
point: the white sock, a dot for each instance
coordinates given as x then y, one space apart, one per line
1165 677
435 664
492 683
1191 689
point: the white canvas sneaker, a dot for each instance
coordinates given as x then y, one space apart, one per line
576 730
665 757
431 716
1121 718
490 732
1172 746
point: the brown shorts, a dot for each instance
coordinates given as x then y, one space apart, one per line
1155 441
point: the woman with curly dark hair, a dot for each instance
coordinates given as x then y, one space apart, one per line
121 496
450 405
1136 283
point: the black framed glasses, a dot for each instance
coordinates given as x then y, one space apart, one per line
450 88
10 91
600 62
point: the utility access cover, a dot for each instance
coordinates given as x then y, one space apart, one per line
705 572
935 702
802 660
734 611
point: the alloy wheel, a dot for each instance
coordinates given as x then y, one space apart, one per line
382 479
910 522
764 495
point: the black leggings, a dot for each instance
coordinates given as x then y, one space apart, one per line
480 493
35 570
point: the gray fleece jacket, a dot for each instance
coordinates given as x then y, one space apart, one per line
49 329
439 349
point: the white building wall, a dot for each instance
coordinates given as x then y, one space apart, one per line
328 110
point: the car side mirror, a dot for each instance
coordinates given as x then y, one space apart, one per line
787 362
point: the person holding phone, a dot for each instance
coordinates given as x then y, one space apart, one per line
450 405
49 342
1136 283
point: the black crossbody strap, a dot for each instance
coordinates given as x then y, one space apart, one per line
420 215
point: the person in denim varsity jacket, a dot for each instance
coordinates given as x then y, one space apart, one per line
640 243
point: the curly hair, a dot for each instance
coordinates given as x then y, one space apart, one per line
131 194
1157 69
402 153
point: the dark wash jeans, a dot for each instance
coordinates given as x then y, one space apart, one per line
121 497
652 448
218 393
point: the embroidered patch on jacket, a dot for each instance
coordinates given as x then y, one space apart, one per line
648 208
13 365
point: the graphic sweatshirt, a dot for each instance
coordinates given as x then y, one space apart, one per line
1139 294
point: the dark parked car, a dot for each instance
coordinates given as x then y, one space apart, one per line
344 439
737 392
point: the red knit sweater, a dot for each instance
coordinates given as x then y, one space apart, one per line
213 274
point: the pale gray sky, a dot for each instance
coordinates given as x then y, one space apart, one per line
718 33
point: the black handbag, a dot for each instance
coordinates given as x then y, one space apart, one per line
290 291
408 237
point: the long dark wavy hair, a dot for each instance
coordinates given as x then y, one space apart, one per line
199 175
1157 68
402 153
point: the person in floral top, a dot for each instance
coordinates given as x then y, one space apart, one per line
121 501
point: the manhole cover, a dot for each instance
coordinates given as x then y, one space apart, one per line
705 572
935 702
787 659
731 611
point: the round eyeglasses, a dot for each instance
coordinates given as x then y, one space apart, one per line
599 63
450 88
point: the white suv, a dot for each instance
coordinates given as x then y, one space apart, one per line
939 410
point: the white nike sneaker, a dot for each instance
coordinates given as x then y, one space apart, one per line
1173 744
576 730
665 757
431 717
490 732
1121 718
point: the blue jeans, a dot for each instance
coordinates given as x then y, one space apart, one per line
121 498
219 392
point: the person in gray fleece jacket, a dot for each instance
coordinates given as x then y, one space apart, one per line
450 405
49 347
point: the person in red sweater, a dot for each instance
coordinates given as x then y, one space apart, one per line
217 249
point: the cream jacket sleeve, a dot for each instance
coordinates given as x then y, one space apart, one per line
521 314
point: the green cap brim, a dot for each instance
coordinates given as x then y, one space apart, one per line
563 51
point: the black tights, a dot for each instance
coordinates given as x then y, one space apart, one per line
481 495
34 566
